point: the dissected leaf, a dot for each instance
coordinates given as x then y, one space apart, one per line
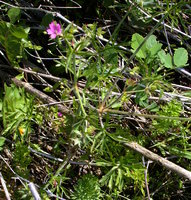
16 108
149 50
87 188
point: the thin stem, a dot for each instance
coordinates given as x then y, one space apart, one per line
144 115
80 100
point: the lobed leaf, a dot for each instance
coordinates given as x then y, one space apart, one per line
180 57
165 59
14 14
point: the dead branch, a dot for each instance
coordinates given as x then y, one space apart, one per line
38 94
152 156
4 187
43 97
34 191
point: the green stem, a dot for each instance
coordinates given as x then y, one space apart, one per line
80 100
145 115
65 162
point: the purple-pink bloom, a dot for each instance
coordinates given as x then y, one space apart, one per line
60 114
54 29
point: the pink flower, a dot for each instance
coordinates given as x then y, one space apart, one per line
60 114
54 30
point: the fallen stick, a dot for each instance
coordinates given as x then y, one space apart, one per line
38 94
42 96
4 187
34 191
152 156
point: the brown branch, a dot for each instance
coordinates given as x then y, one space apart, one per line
34 191
4 187
54 78
152 156
43 97
38 94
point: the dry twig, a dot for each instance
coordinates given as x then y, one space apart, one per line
5 187
152 156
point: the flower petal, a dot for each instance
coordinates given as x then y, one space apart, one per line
52 26
49 31
53 36
59 30
58 27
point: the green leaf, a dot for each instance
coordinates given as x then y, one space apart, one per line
14 14
145 3
16 108
13 39
47 89
13 48
2 141
1 107
100 32
3 32
187 93
111 56
152 45
151 41
165 59
28 44
180 152
135 43
79 46
116 105
108 3
20 32
46 20
87 188
180 57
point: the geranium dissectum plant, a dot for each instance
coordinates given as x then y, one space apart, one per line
54 29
